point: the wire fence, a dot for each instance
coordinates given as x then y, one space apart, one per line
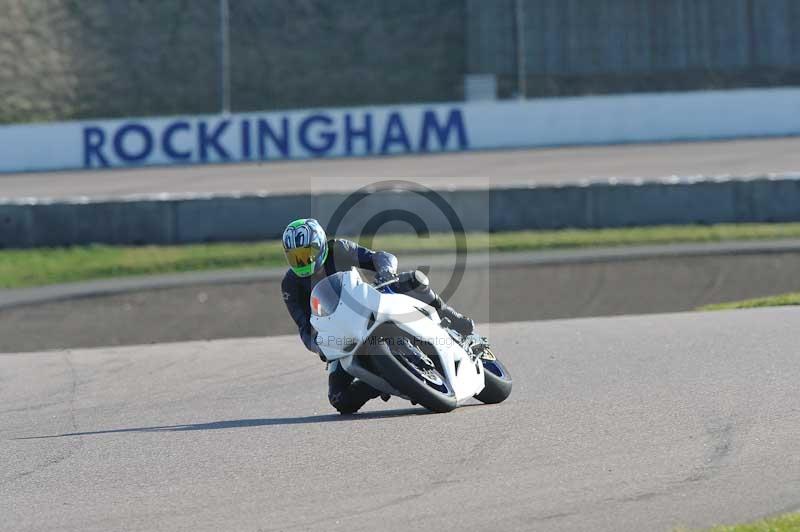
63 59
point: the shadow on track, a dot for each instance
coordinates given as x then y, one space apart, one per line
241 423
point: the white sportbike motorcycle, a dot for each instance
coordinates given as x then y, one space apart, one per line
400 346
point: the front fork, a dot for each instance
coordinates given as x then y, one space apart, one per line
475 345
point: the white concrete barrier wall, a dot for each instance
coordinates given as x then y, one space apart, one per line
394 130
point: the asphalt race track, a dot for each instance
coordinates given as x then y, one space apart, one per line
627 423
470 169
641 423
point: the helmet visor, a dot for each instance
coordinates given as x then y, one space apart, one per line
300 257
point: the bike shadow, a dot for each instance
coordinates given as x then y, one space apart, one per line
257 422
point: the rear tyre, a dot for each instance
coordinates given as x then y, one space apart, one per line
498 381
405 366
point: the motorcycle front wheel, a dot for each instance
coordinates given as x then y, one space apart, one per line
497 379
408 369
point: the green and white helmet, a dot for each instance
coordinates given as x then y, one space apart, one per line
305 245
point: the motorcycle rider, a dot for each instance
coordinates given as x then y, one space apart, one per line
312 257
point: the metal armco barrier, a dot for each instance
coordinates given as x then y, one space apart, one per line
168 219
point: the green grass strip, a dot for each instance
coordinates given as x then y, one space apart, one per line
783 523
36 267
769 301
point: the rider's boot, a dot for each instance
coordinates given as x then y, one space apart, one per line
350 399
458 322
348 395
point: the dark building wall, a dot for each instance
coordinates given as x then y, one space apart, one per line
352 52
603 46
147 57
63 59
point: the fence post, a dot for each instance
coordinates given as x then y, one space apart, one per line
224 63
519 30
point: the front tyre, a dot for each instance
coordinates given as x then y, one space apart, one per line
408 369
497 379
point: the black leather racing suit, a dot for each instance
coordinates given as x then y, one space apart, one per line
345 393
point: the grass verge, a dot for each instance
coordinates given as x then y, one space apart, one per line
36 267
783 523
782 300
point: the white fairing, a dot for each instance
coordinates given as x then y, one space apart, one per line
362 308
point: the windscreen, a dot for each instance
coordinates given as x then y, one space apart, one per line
326 294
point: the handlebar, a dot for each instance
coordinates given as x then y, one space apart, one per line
378 286
404 278
386 283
